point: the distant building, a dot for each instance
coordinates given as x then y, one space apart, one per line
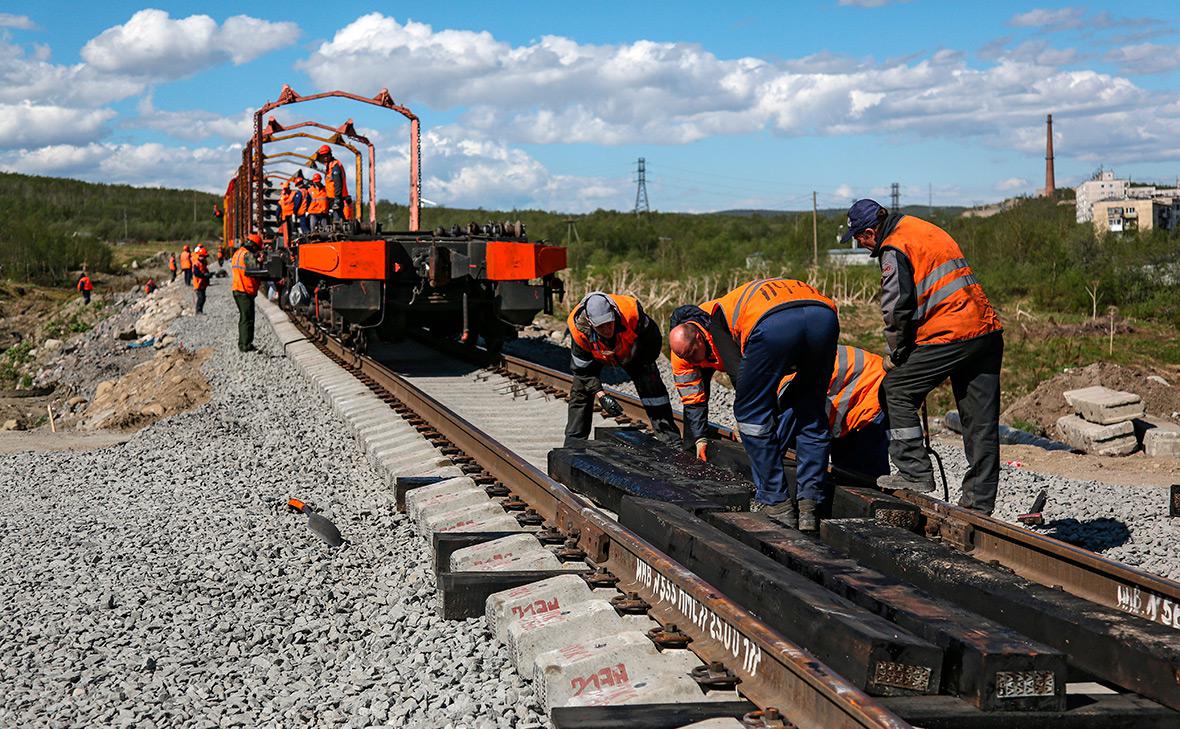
1103 186
1135 214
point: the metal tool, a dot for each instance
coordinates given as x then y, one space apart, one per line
321 526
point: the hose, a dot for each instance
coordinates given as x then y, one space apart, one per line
946 496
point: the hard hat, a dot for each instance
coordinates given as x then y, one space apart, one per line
316 177
255 238
186 247
324 149
286 184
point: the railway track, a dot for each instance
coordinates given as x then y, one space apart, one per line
773 670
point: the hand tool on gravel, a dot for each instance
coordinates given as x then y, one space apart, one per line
323 528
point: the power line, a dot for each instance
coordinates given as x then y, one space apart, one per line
895 197
641 205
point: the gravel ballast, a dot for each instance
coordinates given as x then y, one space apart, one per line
162 582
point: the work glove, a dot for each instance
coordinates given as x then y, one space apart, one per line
702 448
609 405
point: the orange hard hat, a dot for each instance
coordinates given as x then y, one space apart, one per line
324 149
255 238
316 177
286 184
186 248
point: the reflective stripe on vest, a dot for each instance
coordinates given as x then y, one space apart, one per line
745 306
287 203
853 393
242 282
305 202
330 182
319 201
626 330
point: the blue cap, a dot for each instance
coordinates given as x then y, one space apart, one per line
861 216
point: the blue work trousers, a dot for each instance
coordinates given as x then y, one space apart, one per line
800 339
864 451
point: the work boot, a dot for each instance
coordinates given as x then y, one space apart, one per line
898 481
783 512
806 520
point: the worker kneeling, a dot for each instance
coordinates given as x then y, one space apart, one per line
611 329
759 334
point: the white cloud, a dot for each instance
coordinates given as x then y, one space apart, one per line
556 90
33 125
155 46
144 165
193 124
34 79
20 22
1045 19
1145 58
1013 183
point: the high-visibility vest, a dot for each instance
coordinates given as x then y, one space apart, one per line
200 283
319 200
854 391
84 284
241 282
330 183
172 263
186 261
745 306
199 251
689 377
626 331
952 306
287 202
305 203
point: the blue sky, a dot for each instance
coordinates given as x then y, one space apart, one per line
542 104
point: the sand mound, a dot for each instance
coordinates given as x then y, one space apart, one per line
170 383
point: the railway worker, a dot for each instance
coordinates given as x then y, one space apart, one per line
289 201
172 266
758 333
317 211
612 329
335 182
853 402
85 286
186 265
938 324
201 280
304 203
245 288
150 287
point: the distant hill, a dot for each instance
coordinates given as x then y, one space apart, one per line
938 210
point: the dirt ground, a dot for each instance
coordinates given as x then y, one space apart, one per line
1044 405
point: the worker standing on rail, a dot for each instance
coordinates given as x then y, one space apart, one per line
612 329
759 333
201 280
335 182
853 402
186 265
304 204
317 212
938 324
245 288
85 286
172 265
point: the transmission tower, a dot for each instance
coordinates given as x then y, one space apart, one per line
641 205
895 195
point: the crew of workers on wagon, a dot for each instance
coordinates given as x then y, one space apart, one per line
796 387
305 205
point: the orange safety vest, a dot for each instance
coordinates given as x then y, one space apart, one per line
287 202
319 201
330 184
186 261
952 306
745 306
626 332
854 392
172 263
304 202
241 282
84 284
200 283
200 251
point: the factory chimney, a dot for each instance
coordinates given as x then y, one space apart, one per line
1050 184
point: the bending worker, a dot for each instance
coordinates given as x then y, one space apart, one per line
611 329
759 333
938 324
853 402
245 288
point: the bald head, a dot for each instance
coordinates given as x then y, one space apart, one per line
688 342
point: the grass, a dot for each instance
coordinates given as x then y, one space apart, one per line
10 363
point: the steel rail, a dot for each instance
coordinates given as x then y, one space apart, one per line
1032 555
773 671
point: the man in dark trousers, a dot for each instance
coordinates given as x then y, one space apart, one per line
201 280
335 182
612 329
938 324
85 286
245 288
760 333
